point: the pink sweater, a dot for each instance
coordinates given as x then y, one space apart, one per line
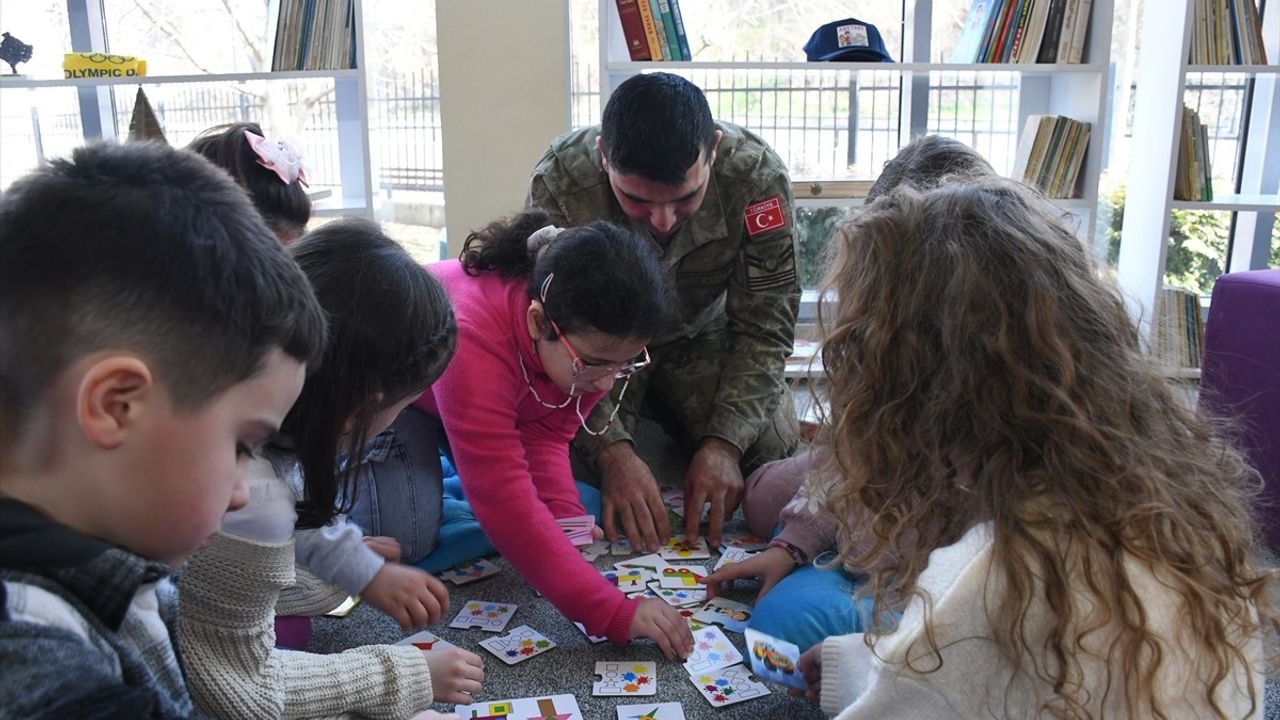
512 454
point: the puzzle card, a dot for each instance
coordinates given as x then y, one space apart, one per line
728 686
726 613
731 556
518 645
651 711
711 651
470 572
560 707
625 678
491 616
594 550
594 639
743 541
678 597
621 546
680 548
682 576
653 562
687 613
427 640
628 579
774 659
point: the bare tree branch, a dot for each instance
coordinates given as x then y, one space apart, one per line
255 49
171 33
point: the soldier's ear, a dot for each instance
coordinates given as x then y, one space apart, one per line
604 160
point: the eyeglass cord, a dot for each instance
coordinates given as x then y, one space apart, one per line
577 406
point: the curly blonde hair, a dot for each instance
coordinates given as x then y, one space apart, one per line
981 370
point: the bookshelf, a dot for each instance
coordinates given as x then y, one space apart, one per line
355 187
1165 39
1081 91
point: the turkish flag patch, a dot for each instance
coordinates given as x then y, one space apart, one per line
764 216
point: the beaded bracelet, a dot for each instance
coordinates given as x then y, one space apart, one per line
798 556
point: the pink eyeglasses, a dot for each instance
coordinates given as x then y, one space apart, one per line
588 372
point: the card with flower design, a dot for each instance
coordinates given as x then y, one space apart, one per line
625 678
680 548
728 686
491 616
518 645
678 597
711 651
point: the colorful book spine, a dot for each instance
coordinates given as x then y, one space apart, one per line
669 25
990 28
633 30
680 36
660 30
650 31
1014 42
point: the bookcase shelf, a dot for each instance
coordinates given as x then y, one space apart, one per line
23 82
1028 68
1234 69
1232 202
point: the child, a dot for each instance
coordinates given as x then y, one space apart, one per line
152 335
271 171
391 333
1061 537
548 320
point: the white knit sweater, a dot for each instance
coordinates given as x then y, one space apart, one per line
226 633
973 678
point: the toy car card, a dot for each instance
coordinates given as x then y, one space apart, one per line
774 659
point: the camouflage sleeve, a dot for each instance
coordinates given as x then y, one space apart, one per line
763 298
540 197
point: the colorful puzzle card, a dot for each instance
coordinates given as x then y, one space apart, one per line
682 576
518 645
678 597
726 613
680 548
620 547
625 678
427 640
651 711
728 686
491 616
554 707
743 541
673 498
594 639
731 556
774 659
470 571
653 562
711 651
627 579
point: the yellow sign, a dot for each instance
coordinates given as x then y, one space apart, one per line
101 65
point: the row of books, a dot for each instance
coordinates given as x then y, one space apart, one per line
1051 153
1226 32
1023 31
1179 329
315 35
1193 179
654 29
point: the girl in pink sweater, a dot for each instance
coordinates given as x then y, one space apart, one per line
548 321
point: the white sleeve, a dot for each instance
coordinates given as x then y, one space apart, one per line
336 553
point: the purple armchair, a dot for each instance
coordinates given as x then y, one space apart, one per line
1241 376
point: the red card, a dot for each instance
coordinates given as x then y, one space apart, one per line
764 216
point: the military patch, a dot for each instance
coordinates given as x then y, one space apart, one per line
766 275
764 216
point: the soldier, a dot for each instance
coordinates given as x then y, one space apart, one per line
716 203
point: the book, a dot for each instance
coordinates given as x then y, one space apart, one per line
660 30
991 29
650 30
1052 32
314 35
680 36
669 25
633 30
973 30
1051 153
1013 42
1035 33
1001 31
1080 31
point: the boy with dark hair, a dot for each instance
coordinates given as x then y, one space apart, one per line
153 333
717 203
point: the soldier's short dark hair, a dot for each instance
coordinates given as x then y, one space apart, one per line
655 125
144 248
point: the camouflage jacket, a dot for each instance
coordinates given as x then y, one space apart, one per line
724 274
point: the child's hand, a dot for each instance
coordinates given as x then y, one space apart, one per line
413 597
661 623
811 668
770 566
455 674
387 547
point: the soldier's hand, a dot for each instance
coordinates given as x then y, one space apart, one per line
713 476
630 492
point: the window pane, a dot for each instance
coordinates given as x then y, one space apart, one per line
181 37
1197 252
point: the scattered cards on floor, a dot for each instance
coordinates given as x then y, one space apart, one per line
627 580
595 639
345 608
560 707
427 640
730 615
652 562
678 597
625 678
750 543
731 556
711 651
682 576
470 571
651 711
728 686
679 548
774 659
518 645
491 616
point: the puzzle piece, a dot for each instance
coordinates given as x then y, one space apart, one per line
427 640
774 659
711 651
470 572
595 550
731 556
518 645
625 678
650 711
728 686
678 597
682 576
621 546
491 616
594 639
726 613
679 548
627 579
653 562
743 541
553 707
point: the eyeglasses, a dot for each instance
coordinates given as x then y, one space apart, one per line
587 372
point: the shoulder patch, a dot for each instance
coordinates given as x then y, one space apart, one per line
764 216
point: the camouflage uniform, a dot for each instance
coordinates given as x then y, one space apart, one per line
717 371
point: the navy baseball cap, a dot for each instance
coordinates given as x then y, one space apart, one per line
848 40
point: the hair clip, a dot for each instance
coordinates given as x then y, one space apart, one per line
278 156
542 237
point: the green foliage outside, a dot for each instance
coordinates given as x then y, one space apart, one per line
814 227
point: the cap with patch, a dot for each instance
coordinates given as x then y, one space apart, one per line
848 40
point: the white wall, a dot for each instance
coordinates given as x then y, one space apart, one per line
504 88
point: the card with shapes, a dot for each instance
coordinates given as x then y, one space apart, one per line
470 571
652 562
711 651
731 556
774 659
726 613
678 597
728 686
625 678
687 613
680 548
651 711
673 498
594 639
594 550
491 616
427 640
647 592
620 547
556 707
627 579
518 645
682 576
743 541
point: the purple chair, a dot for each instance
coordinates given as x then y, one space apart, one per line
1241 376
